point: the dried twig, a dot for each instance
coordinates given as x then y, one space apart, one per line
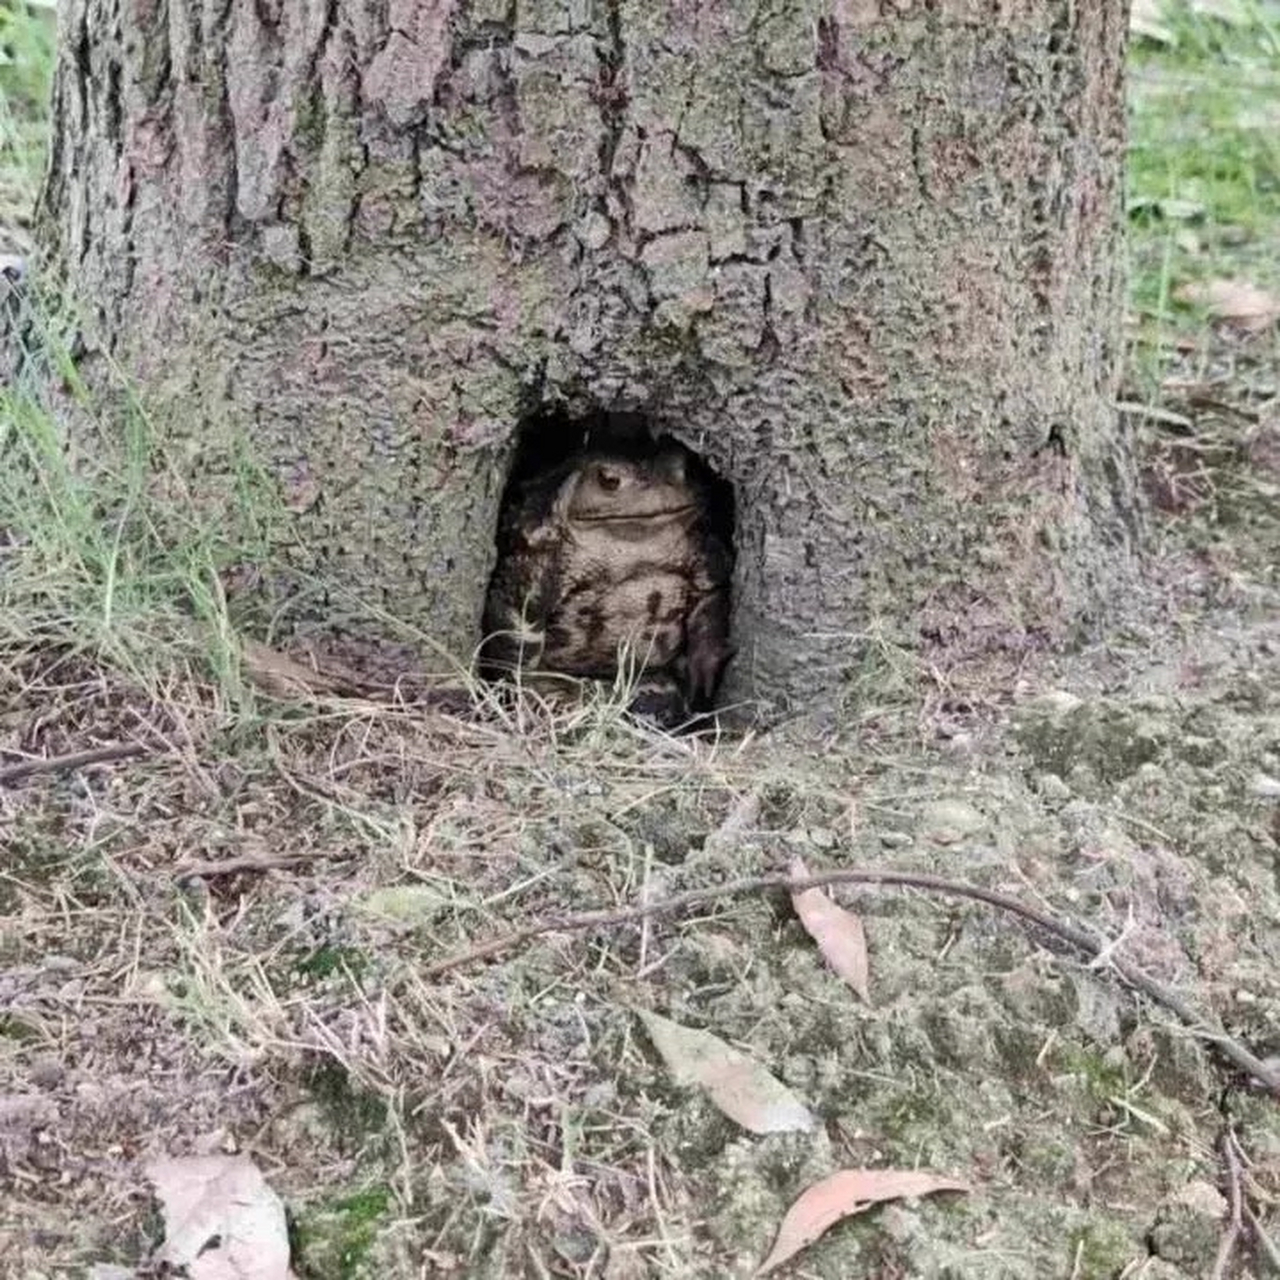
206 867
75 760
1077 937
1267 1247
1235 1198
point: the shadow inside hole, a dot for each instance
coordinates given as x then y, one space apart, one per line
551 443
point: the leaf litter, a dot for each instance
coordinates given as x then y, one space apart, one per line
222 1221
738 1085
841 1195
1235 302
838 933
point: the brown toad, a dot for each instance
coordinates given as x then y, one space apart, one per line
609 561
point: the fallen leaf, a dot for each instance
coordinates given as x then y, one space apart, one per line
1146 21
737 1084
1233 13
221 1220
1170 207
841 1195
838 933
1236 301
741 819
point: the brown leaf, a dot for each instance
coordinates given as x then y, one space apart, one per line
221 1220
281 676
1235 301
838 933
841 1195
738 1085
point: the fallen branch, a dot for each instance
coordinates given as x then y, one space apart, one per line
1081 939
75 760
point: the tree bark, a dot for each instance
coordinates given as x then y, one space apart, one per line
862 255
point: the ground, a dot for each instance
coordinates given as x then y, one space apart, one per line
220 946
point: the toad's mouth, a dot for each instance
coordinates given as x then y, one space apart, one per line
630 517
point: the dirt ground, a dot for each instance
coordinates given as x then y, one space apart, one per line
219 947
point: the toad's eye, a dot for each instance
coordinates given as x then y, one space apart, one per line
608 478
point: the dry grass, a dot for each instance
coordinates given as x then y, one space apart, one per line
175 1007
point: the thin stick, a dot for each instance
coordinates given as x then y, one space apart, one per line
75 760
1230 1238
1266 1245
1072 934
233 866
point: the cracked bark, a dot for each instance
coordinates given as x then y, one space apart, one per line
861 255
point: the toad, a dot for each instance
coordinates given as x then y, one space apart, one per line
608 563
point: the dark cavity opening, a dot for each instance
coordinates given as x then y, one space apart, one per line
573 614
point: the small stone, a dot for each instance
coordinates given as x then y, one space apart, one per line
1052 787
594 230
282 248
822 837
895 839
1266 787
1204 1198
947 821
1056 702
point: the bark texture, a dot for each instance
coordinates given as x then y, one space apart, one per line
860 254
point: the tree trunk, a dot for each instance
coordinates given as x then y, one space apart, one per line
862 255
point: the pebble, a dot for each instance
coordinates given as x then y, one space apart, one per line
594 231
947 821
1052 787
1203 1197
1267 787
1056 702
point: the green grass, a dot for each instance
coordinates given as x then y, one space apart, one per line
1204 151
107 553
26 70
